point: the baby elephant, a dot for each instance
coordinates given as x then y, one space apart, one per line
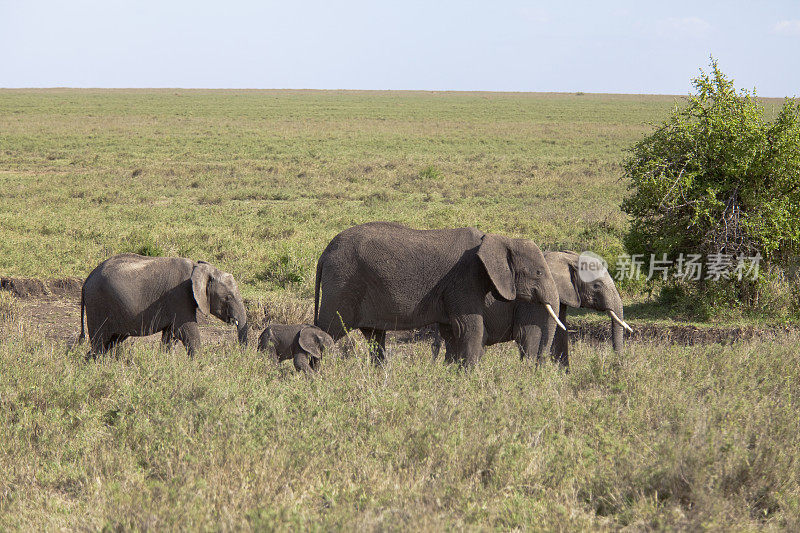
302 343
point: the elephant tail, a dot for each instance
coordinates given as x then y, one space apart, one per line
83 307
317 287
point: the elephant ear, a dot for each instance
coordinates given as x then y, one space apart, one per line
310 340
495 255
201 278
564 267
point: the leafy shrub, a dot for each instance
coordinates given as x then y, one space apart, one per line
718 178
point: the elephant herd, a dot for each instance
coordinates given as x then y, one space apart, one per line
478 288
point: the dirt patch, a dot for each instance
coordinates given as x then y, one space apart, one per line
600 332
683 334
53 307
32 287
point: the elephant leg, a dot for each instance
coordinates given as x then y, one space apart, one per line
377 344
560 351
528 343
560 348
533 331
330 321
300 360
99 344
436 345
167 338
380 338
523 353
469 336
189 334
272 354
450 352
111 342
99 335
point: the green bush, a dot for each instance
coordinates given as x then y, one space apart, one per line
717 177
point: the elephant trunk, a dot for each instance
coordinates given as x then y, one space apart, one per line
616 336
618 326
240 320
242 333
552 301
549 333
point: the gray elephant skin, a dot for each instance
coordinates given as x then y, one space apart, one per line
130 295
384 276
523 322
304 344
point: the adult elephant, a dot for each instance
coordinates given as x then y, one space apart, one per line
385 276
130 295
582 281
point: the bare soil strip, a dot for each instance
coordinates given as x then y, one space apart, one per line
53 307
684 334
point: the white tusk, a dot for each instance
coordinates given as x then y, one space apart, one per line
552 314
235 322
619 321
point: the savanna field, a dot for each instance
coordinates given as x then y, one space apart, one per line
664 436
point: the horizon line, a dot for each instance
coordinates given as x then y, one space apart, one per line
288 89
306 89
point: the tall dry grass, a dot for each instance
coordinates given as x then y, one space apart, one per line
661 437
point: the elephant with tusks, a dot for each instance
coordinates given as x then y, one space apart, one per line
582 281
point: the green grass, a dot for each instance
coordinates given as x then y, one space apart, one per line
256 181
693 438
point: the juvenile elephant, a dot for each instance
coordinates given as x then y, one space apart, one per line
130 295
303 343
384 276
523 322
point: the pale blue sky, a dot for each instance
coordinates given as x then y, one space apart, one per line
615 46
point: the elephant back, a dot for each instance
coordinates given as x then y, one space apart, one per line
387 276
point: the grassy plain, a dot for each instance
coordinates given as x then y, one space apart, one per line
664 436
259 181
